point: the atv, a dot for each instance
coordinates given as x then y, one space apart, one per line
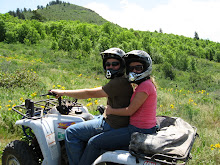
44 123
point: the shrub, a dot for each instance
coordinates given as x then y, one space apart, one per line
168 70
21 78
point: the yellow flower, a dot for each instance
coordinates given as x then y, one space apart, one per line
0 107
171 106
89 104
217 145
161 106
9 109
9 101
54 86
21 99
8 105
80 75
42 106
96 101
89 99
63 88
48 96
13 105
58 86
34 94
212 148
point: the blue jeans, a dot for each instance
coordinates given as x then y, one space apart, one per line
77 136
111 140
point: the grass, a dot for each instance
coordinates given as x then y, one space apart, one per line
41 69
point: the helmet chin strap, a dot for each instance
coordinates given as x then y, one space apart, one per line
108 74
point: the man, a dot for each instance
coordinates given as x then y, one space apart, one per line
118 91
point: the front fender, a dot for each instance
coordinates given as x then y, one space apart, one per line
45 134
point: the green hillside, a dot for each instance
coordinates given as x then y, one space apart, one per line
57 11
37 56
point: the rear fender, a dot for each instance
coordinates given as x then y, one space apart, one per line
122 157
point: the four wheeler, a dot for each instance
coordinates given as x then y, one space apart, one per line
44 123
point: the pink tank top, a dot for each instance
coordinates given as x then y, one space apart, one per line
145 116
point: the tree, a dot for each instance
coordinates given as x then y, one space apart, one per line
2 30
37 16
196 36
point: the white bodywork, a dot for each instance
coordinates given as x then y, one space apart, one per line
49 130
122 157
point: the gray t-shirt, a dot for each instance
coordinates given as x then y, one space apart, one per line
119 92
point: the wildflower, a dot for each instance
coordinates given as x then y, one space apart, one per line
161 106
0 107
54 86
89 104
9 101
13 105
63 88
8 105
21 98
34 94
217 145
96 102
42 106
171 106
58 86
9 109
48 96
80 75
207 94
89 99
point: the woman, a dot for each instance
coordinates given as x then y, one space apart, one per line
142 109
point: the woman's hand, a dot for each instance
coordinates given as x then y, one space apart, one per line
108 110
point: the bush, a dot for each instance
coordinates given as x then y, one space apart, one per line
168 70
21 78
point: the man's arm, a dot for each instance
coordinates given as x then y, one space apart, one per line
81 93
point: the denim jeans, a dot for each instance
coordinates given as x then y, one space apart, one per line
77 136
111 140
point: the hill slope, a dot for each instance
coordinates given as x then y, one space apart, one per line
67 11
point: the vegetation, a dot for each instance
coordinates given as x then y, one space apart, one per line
36 56
58 10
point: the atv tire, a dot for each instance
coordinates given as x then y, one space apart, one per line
18 153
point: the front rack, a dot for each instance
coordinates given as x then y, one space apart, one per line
36 109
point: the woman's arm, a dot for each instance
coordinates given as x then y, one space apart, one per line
81 93
138 100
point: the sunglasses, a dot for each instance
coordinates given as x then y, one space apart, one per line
136 67
113 63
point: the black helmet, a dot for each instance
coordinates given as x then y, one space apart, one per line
115 53
142 57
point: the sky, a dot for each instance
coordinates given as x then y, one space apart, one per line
180 17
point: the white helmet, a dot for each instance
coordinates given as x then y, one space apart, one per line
115 53
142 57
